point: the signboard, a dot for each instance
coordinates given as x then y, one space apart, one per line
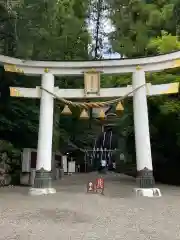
72 167
122 157
100 185
64 163
90 187
96 186
92 82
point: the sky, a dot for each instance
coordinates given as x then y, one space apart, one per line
107 26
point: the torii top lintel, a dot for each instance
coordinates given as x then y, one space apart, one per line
113 66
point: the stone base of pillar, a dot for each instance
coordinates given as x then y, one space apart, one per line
147 192
42 183
145 178
41 191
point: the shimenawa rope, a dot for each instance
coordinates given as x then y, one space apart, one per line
91 104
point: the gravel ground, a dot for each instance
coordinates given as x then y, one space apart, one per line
73 214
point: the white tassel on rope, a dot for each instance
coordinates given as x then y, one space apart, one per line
103 161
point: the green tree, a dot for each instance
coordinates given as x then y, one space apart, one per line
52 30
7 33
164 44
45 30
136 22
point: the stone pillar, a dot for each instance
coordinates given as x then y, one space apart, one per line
145 179
43 180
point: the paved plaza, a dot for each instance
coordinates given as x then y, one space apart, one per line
72 214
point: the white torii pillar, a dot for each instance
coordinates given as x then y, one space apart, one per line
42 184
145 177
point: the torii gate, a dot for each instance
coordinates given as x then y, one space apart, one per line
137 67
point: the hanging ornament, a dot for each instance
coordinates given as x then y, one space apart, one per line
102 114
66 111
119 107
84 114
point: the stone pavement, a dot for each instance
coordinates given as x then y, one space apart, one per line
72 214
